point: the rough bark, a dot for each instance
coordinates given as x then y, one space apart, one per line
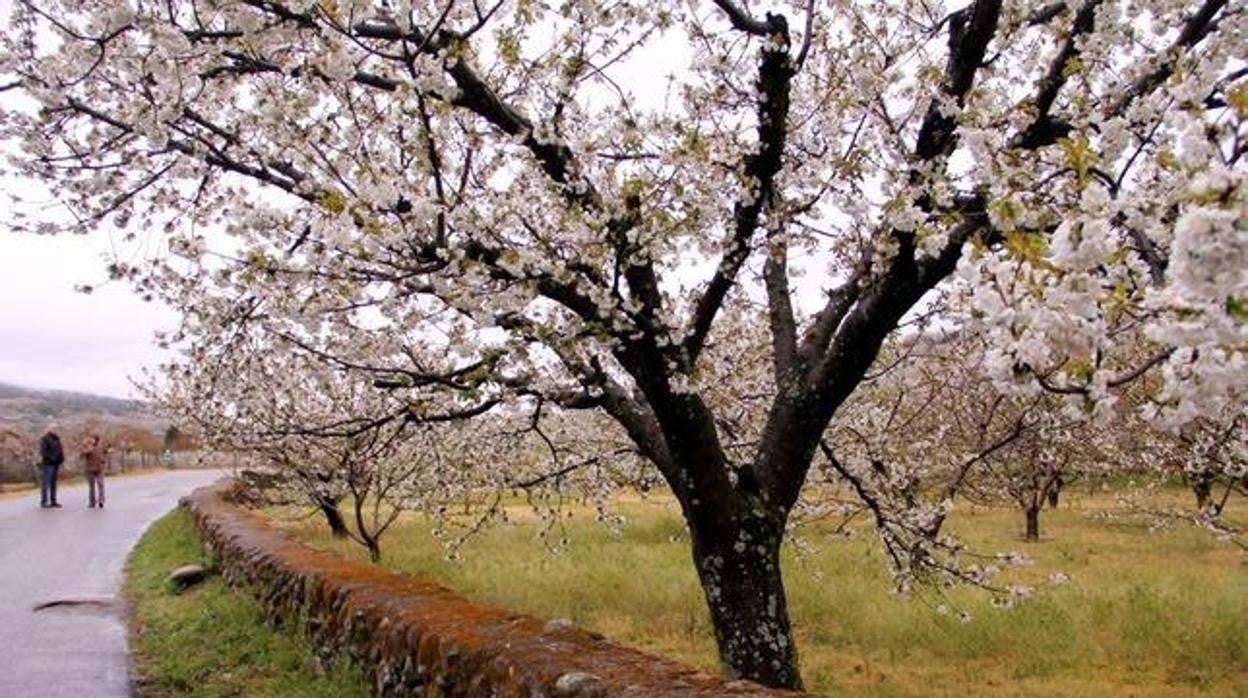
736 533
740 573
1033 522
333 517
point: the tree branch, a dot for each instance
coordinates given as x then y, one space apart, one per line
742 20
1196 27
780 309
761 167
970 30
1043 130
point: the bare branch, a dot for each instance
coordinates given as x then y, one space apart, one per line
742 20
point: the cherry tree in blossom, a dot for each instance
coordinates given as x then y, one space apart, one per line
1208 454
1211 455
561 203
327 434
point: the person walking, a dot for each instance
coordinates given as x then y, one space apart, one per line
51 455
93 461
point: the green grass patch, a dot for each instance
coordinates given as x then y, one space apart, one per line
211 640
1144 613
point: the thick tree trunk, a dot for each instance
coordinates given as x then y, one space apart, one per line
740 574
1033 521
333 517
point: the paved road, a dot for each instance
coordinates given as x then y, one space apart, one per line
74 554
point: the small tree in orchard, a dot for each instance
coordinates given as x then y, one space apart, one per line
385 472
314 481
235 405
926 427
328 432
515 195
1210 456
1034 470
1037 441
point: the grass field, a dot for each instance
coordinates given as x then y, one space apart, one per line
210 640
1143 614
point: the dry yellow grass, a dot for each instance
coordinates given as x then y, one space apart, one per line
1144 613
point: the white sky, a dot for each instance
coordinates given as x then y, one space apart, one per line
52 336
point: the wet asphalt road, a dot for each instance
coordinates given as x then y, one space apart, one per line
74 554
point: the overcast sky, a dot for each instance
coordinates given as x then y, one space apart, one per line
52 336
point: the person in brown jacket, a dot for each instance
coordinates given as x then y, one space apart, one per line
93 462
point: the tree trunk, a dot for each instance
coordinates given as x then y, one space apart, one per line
333 517
740 574
369 540
1033 522
1203 489
1055 492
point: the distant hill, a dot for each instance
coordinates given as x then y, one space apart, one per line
26 412
34 407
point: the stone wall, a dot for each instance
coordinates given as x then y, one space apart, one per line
416 638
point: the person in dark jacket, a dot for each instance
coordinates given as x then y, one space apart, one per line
51 456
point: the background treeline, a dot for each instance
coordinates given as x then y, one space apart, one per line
136 437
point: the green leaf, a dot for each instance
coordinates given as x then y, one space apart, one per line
1237 308
1079 156
332 201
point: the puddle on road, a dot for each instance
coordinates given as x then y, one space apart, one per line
96 606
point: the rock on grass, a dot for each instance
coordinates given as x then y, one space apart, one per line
187 576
